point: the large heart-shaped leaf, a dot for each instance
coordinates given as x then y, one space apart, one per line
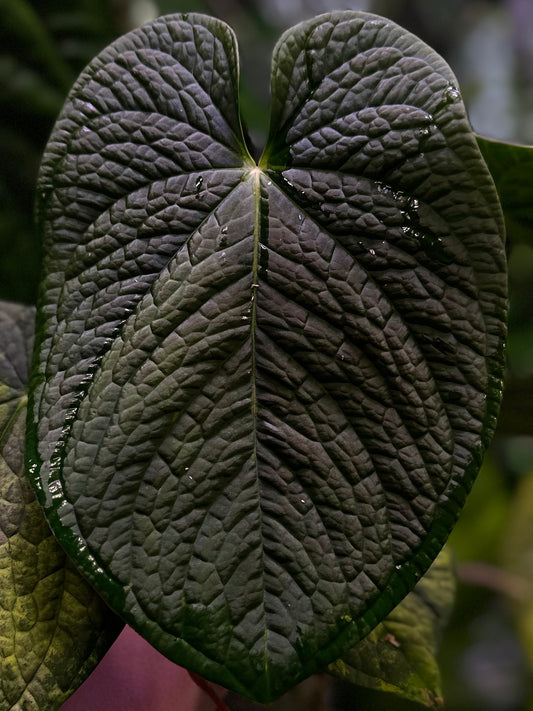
53 627
262 392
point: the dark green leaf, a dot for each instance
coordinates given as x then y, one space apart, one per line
53 627
43 47
398 656
24 23
511 166
262 393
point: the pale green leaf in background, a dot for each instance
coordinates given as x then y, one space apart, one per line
400 654
53 627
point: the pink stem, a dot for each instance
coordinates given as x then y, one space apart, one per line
205 686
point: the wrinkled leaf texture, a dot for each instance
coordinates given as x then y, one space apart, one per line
54 628
262 391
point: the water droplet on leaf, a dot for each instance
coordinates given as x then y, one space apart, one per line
451 94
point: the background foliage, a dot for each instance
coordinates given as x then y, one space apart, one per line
487 655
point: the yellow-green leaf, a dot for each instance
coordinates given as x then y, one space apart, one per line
398 656
53 627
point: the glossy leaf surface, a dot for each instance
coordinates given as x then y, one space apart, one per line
399 655
53 627
264 391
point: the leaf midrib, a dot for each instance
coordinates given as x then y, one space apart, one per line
255 175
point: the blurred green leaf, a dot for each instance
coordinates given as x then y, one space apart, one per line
398 656
53 627
511 166
43 46
21 21
479 529
26 87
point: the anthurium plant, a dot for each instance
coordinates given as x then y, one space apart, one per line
261 389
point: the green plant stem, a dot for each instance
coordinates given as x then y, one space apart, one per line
494 578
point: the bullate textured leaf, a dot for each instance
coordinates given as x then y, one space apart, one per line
53 627
263 391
